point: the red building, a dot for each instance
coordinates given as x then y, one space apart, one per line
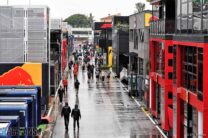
161 62
190 78
178 78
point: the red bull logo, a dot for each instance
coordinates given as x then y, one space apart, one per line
16 76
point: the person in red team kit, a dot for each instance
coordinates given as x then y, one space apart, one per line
65 83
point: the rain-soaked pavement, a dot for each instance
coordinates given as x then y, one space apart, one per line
107 112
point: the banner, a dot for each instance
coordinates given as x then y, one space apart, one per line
28 74
147 17
110 56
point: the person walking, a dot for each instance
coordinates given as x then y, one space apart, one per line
97 74
66 110
75 71
108 75
88 67
70 69
76 115
92 70
76 85
65 83
103 75
61 93
89 76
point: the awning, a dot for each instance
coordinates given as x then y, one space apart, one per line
107 25
130 54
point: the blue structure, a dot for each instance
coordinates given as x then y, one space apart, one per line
24 92
18 109
31 106
10 126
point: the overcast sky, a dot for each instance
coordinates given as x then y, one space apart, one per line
99 8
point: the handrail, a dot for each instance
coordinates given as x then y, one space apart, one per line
162 26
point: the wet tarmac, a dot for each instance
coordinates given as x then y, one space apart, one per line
107 112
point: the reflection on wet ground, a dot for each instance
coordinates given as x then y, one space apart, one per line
107 112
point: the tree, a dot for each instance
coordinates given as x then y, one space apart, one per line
140 6
78 20
122 26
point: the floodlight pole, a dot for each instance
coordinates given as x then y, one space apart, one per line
7 2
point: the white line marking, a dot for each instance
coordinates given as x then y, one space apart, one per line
160 130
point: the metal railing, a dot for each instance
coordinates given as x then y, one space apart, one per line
162 26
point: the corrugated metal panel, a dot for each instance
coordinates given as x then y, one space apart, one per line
26 34
37 35
11 34
11 50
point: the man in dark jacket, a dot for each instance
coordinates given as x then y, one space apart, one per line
76 85
76 116
61 93
66 110
88 67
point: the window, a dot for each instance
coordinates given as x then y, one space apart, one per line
205 16
205 5
170 75
82 32
160 58
131 35
170 62
178 18
196 6
170 95
135 39
190 17
184 17
170 49
197 16
200 73
189 68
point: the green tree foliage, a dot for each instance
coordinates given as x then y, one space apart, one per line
79 20
122 26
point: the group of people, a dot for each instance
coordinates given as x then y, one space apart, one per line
75 114
75 67
63 90
66 110
100 75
